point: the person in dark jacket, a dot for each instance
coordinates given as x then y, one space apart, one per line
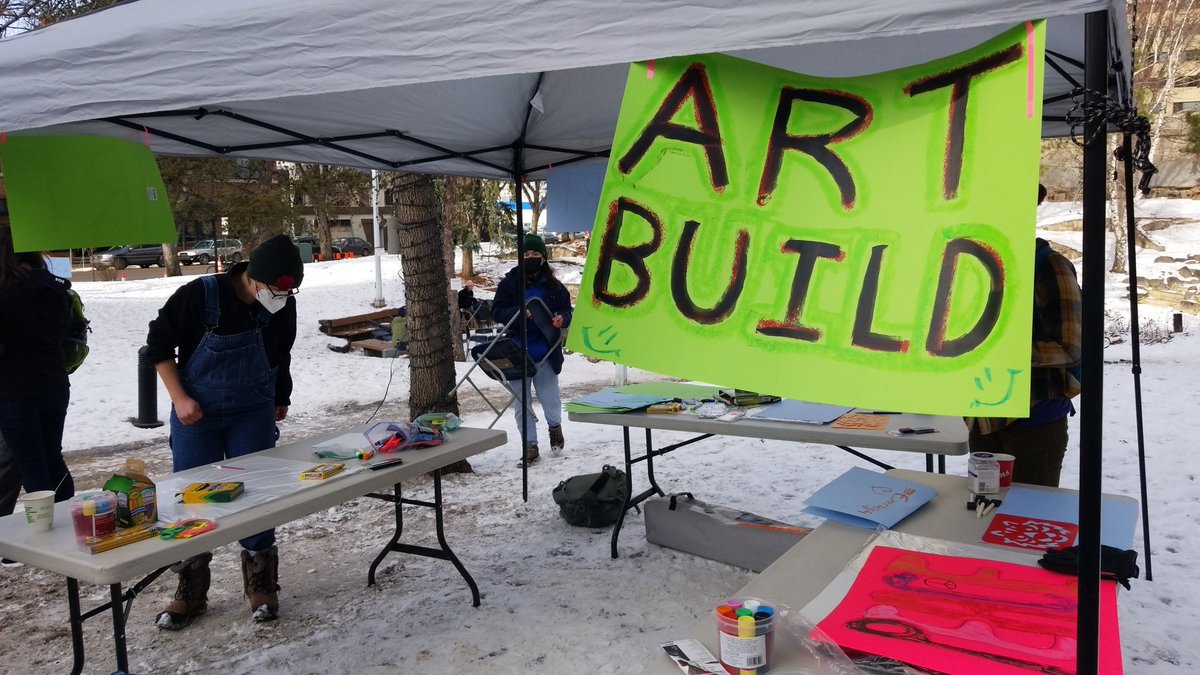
1039 441
539 283
222 347
34 390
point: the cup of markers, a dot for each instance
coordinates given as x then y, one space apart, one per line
746 635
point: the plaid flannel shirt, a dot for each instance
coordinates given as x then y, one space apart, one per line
1057 337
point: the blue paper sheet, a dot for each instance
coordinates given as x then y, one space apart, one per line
1118 515
789 410
868 499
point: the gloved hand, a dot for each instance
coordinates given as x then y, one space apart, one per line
1115 563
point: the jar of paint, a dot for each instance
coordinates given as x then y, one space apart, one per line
94 514
745 634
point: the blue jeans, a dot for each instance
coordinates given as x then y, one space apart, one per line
33 430
545 382
10 479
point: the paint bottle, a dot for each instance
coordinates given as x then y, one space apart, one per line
983 473
94 514
747 638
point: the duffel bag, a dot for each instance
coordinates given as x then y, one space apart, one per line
592 499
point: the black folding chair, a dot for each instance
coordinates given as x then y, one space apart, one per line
501 358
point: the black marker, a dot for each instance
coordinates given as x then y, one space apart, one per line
386 463
917 430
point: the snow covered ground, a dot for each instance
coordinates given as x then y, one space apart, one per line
553 600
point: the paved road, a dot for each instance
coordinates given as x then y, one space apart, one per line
135 272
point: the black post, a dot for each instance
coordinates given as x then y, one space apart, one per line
1177 323
1095 175
1135 341
147 393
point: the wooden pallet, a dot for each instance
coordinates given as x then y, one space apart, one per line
381 348
359 325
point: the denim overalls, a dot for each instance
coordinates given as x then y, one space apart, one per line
232 380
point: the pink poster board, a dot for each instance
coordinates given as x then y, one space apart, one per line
967 615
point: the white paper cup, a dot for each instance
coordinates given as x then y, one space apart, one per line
39 510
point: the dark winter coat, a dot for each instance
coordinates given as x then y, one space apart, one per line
557 299
33 324
180 325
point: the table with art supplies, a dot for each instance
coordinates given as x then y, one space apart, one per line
935 584
272 487
703 410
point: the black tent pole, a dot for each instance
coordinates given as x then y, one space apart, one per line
1095 156
518 168
1136 344
526 385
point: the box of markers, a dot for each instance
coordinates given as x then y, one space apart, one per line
322 471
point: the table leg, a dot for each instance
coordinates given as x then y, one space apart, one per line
76 626
650 465
868 458
628 491
442 553
941 464
119 604
118 617
928 463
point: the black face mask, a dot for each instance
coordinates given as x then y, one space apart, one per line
531 266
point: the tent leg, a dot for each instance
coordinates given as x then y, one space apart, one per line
1095 151
1136 345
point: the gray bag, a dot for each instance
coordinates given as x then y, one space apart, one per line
681 522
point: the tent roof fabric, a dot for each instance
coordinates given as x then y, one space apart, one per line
446 87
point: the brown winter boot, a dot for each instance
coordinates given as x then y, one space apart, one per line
556 441
260 576
191 597
531 454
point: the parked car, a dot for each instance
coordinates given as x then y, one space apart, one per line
120 257
204 252
356 245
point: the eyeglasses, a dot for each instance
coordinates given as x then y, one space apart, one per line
282 294
276 293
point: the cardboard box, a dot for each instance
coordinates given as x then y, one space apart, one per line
211 493
717 532
137 498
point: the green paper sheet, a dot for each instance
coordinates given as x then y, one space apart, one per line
858 241
83 192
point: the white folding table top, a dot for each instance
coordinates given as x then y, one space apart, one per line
807 568
949 439
56 551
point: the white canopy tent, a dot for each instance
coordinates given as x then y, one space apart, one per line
452 87
505 90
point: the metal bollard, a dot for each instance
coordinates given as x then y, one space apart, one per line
147 393
1177 326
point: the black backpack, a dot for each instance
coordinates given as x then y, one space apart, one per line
592 499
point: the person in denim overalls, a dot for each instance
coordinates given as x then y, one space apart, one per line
229 388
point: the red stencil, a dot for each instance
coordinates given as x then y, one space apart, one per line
1030 533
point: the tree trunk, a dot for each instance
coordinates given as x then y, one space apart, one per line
426 288
468 263
1116 217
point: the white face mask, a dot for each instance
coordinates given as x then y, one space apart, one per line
268 300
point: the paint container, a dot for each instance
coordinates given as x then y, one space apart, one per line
983 473
745 642
94 514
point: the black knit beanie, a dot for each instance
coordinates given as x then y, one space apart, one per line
535 243
276 262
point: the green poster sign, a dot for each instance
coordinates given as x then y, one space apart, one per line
861 241
83 192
